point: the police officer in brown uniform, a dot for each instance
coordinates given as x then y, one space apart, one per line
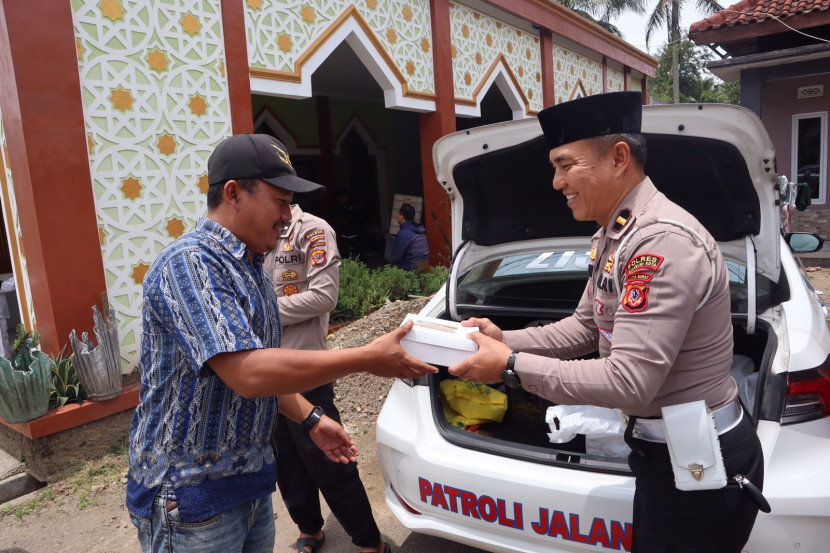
657 308
305 270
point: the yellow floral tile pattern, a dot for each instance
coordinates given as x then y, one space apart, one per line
9 206
155 105
478 40
616 80
575 75
279 33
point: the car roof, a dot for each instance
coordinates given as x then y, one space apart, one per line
717 161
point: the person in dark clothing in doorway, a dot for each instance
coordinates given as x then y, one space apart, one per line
410 247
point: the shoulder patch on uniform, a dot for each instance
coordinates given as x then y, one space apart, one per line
607 334
635 298
318 258
644 262
316 232
639 277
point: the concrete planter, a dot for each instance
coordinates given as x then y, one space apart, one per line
24 395
99 368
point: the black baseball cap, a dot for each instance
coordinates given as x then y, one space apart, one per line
590 116
257 156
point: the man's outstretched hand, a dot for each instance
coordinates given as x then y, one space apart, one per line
333 441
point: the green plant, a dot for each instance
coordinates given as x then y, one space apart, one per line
66 387
396 282
363 290
359 293
25 341
432 280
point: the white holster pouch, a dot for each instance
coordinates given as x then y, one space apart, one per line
694 448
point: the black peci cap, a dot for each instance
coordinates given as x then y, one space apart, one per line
257 156
590 116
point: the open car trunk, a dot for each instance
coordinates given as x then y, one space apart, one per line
521 259
523 433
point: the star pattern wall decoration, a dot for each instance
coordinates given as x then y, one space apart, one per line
478 39
574 73
148 147
279 33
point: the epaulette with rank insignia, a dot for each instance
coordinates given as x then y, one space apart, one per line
622 220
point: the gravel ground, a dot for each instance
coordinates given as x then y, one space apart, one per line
359 397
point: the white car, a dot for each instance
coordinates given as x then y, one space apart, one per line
521 259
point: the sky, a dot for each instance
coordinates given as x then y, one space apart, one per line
633 26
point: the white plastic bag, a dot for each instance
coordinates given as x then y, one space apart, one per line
603 428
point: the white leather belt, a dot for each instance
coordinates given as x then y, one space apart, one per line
726 418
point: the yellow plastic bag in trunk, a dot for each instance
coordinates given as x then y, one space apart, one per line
466 404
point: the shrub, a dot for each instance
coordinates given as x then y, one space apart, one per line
359 292
433 279
363 290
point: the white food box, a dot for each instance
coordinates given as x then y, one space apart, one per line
438 342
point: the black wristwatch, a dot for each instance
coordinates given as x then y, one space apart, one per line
508 375
313 418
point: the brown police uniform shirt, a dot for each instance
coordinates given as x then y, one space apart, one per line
305 271
656 348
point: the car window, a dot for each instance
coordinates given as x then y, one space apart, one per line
556 280
768 293
550 279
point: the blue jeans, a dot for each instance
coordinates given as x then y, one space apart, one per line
248 528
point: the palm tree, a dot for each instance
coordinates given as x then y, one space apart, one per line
602 12
667 14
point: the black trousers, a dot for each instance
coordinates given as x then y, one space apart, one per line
668 520
303 472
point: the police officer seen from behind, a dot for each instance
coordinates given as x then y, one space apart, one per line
657 309
305 271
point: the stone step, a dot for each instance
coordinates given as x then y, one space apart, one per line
17 485
14 480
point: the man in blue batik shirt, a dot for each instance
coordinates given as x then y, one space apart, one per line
202 464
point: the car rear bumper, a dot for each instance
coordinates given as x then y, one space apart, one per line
492 502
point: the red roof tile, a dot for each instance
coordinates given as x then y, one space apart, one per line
746 12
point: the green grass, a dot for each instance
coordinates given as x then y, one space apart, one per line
20 511
81 484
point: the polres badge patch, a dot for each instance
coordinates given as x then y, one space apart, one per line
318 258
644 262
635 298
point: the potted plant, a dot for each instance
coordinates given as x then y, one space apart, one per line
66 387
99 368
25 380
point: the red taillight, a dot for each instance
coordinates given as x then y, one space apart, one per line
808 395
403 503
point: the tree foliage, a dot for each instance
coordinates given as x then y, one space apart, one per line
603 12
697 84
666 14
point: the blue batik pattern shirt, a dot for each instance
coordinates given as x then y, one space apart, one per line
203 296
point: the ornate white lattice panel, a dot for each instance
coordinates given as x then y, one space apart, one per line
288 40
155 105
575 75
483 46
616 80
23 288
